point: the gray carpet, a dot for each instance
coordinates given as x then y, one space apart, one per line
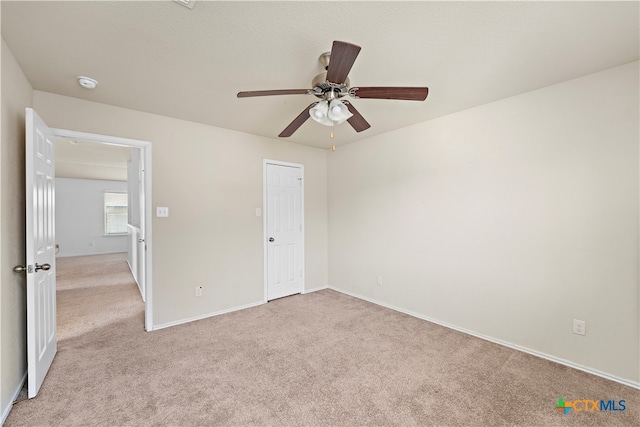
321 359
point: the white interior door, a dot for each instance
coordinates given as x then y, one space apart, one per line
40 244
284 230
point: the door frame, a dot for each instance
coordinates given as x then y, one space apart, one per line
266 162
145 148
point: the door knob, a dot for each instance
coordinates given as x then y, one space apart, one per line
20 269
271 239
44 267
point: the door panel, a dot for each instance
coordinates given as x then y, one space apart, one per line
40 244
284 226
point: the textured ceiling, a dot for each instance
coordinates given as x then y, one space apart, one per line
163 58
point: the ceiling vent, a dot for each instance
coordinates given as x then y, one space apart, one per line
186 3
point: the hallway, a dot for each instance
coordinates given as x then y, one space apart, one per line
93 292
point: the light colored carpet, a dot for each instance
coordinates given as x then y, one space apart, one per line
321 359
95 291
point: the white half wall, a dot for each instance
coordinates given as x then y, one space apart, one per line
508 220
80 217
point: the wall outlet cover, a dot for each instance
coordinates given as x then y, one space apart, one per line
579 327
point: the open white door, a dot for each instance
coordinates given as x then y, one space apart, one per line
41 261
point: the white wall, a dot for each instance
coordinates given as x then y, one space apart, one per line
211 180
16 96
80 217
508 220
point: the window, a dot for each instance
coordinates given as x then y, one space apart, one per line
115 213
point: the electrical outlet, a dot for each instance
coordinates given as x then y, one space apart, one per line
379 280
198 291
579 327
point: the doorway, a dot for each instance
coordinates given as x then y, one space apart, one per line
96 220
283 225
40 238
141 233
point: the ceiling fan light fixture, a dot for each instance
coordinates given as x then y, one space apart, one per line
338 112
333 84
330 113
319 113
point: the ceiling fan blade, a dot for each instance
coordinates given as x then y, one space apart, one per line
357 121
297 122
406 93
251 93
343 55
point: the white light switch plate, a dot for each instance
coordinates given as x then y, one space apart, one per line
162 212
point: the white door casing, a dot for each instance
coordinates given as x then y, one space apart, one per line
284 229
40 246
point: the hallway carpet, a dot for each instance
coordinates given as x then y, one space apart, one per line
94 291
321 359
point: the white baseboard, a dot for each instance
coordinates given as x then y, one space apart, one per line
7 409
72 254
205 316
319 288
561 361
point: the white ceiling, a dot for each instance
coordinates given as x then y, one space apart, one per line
91 160
160 57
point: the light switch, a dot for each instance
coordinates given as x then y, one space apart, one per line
258 212
162 212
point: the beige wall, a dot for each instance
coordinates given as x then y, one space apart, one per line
508 220
16 96
211 180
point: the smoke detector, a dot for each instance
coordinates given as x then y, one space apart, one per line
87 82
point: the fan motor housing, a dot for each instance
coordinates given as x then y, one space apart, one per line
321 87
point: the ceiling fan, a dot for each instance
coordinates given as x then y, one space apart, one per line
333 85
